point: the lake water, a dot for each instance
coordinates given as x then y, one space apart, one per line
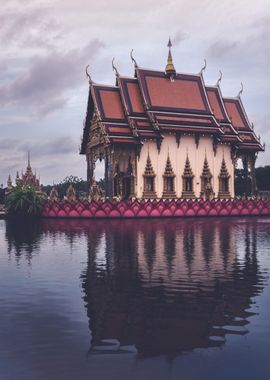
135 299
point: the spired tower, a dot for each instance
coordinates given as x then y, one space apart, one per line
135 123
28 178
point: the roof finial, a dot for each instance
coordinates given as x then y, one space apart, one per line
88 75
220 77
114 68
204 67
133 59
28 159
170 70
241 91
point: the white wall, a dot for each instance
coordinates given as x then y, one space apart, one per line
178 158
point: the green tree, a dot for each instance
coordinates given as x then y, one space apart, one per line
25 201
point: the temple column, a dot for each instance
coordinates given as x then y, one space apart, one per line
109 174
90 170
246 179
252 160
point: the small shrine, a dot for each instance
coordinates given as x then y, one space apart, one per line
27 178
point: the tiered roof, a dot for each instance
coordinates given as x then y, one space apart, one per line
168 168
188 173
155 102
149 171
206 173
223 170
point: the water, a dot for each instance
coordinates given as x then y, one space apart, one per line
146 299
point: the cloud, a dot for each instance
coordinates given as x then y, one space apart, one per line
179 37
61 145
222 48
29 25
43 87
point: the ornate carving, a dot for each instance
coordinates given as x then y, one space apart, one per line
224 181
215 145
54 196
168 180
188 176
197 137
206 185
178 138
95 192
71 194
159 142
149 180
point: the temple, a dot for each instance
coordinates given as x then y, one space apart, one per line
28 178
167 135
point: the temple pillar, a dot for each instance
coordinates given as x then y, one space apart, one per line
109 174
246 176
90 171
252 160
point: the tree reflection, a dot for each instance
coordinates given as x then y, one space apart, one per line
23 237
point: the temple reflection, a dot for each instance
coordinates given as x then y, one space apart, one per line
169 287
160 286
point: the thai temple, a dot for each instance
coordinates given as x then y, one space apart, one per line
163 134
27 178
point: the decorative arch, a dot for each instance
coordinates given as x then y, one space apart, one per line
206 181
187 177
149 186
224 191
168 180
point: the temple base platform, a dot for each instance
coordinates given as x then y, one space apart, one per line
156 208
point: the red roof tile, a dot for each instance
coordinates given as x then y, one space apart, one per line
235 113
215 103
135 97
111 103
181 94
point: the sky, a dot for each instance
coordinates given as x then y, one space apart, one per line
46 45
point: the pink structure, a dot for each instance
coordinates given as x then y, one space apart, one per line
157 208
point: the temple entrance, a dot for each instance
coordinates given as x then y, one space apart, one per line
123 181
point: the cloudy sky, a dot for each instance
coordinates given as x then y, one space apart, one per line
46 44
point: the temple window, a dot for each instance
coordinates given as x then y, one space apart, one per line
149 180
187 181
224 181
168 180
206 181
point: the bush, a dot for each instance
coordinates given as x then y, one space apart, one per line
25 201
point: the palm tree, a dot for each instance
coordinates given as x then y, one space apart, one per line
25 201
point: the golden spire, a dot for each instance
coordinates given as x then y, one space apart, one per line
9 182
170 70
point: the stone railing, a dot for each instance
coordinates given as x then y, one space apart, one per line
156 208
